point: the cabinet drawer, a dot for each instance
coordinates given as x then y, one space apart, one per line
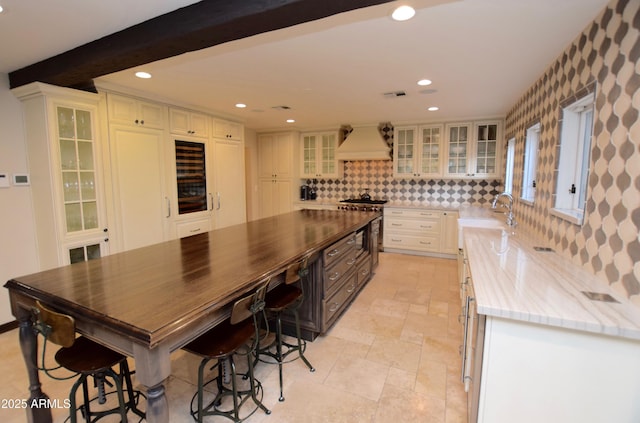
332 306
405 242
363 272
425 225
338 250
335 273
192 227
412 213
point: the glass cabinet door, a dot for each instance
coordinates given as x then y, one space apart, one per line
430 146
328 154
486 145
191 176
309 159
76 142
405 145
458 149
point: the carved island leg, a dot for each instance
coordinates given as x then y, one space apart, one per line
37 412
153 367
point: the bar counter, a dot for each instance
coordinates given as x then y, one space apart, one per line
150 301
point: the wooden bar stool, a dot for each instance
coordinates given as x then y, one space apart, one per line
287 298
87 359
240 331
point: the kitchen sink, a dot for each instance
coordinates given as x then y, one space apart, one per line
478 222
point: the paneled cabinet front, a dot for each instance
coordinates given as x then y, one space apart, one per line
133 111
418 151
276 172
420 231
189 123
473 150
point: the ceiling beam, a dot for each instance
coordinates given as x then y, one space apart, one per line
200 25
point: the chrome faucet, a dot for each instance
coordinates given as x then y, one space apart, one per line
509 206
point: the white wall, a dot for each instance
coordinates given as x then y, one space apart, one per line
17 238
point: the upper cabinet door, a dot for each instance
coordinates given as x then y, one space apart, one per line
429 154
486 158
185 122
473 151
131 111
318 152
228 130
404 151
458 139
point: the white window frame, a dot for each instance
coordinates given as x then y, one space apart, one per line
573 165
509 167
532 143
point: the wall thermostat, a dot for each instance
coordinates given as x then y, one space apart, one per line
20 179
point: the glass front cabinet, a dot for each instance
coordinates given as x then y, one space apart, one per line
319 156
417 151
473 149
65 169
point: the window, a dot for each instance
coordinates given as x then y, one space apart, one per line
530 162
573 165
508 174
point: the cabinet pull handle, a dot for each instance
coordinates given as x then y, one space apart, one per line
335 276
396 224
351 288
195 230
425 243
333 253
350 262
333 307
218 201
168 207
396 240
351 241
211 199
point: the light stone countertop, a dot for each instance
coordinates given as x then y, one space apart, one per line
513 281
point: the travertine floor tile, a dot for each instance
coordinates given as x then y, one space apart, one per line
392 357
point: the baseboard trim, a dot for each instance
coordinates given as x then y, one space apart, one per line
8 326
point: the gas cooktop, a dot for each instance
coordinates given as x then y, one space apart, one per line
361 201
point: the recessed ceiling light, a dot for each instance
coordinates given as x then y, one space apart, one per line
291 120
403 13
143 75
241 105
424 82
1 9
433 108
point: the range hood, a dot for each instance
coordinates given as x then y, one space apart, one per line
364 143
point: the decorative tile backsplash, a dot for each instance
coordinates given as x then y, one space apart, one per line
377 176
608 243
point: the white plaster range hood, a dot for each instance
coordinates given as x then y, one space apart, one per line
364 143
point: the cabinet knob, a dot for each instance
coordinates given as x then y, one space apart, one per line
136 121
106 240
142 122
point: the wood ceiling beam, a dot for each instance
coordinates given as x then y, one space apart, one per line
194 27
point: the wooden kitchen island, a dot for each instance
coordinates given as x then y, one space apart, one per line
150 301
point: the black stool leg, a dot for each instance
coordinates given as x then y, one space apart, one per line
300 349
279 350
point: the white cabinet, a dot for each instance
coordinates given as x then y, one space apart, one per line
141 200
420 231
186 122
277 172
473 149
230 204
449 235
318 156
228 130
132 111
65 165
418 151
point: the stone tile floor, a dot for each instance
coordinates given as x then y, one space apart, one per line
392 357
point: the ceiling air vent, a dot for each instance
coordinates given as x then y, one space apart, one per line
281 107
394 94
